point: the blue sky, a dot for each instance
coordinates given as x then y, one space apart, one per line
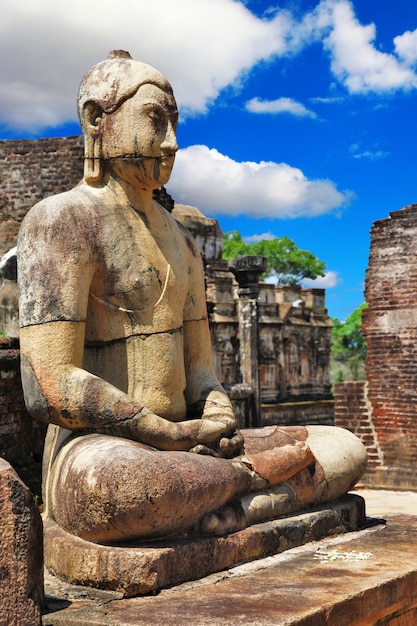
297 118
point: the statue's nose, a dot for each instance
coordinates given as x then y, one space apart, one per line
169 145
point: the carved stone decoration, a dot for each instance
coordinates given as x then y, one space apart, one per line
248 270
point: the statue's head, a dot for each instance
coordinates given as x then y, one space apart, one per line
128 115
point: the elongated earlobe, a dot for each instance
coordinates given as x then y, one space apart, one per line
93 168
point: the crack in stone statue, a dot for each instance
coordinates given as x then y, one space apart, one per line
116 352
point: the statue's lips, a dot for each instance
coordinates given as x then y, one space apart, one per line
164 160
167 161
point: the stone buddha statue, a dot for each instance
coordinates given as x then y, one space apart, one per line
116 354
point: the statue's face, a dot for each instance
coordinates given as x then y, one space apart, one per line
140 136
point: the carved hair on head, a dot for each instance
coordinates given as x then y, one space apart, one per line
116 79
105 87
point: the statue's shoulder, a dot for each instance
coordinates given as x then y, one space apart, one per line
70 209
187 236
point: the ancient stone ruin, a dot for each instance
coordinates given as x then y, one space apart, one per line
21 554
382 409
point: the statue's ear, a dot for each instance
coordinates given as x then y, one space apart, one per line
91 118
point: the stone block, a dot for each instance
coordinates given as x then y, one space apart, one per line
139 569
21 554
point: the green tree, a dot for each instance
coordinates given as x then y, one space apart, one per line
348 347
285 260
234 245
347 337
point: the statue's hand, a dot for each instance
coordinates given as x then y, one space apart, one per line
231 446
156 431
211 431
217 408
228 445
203 436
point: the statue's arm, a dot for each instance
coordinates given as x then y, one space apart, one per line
205 395
58 390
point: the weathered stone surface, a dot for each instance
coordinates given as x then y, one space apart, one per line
205 230
21 553
138 569
369 578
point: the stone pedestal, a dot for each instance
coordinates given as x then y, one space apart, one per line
21 558
138 569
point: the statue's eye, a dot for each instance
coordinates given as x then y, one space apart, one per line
157 115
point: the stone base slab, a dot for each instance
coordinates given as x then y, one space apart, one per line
138 569
396 478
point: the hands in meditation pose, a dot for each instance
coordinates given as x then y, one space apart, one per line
116 352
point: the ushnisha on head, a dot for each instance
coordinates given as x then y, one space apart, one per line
102 98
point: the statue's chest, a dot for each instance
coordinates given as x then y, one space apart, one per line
138 270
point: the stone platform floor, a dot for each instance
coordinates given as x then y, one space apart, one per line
363 578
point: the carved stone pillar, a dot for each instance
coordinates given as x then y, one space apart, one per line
248 270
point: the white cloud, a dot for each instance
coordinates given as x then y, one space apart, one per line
406 46
373 155
355 60
328 100
328 281
202 46
256 238
281 105
46 46
217 184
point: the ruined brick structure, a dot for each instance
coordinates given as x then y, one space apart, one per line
354 412
385 408
21 439
294 328
31 170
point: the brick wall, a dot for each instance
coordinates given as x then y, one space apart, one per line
390 328
354 412
384 411
21 439
54 165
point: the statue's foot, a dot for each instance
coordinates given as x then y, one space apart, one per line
279 464
340 460
229 518
341 457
